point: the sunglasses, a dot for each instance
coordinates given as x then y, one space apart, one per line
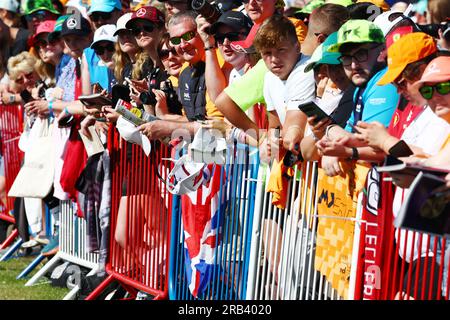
39 15
97 15
28 76
442 88
42 43
186 37
247 1
145 28
360 56
165 53
231 36
99 50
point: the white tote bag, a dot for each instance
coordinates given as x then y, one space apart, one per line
35 178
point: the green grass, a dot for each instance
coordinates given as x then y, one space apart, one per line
12 289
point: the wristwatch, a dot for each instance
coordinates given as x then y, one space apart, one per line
355 155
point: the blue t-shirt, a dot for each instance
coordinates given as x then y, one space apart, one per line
98 72
379 102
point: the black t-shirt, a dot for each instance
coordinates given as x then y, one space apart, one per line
345 107
192 91
21 42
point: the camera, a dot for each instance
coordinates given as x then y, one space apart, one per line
433 29
44 87
211 12
148 97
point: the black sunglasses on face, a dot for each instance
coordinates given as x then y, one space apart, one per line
145 28
165 53
231 36
42 43
99 50
96 16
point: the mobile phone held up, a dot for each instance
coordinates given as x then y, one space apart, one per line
312 109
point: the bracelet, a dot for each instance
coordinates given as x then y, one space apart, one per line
50 109
67 111
328 130
355 154
209 48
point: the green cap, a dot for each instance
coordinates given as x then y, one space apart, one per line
30 6
321 54
344 3
357 31
311 6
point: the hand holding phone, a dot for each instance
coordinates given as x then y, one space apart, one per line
312 109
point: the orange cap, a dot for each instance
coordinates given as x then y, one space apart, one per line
409 48
438 70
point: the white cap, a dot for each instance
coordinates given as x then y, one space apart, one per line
105 33
77 4
122 21
383 22
130 133
10 5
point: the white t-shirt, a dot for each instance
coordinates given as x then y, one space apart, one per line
428 132
282 95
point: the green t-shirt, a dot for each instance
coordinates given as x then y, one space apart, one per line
248 90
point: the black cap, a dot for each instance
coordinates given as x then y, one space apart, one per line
234 19
226 5
76 25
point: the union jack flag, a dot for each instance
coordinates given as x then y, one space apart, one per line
202 212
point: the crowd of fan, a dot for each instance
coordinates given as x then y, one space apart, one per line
381 73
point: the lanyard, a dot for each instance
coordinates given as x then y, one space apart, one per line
359 107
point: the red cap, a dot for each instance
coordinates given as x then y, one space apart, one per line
397 33
46 26
246 46
148 13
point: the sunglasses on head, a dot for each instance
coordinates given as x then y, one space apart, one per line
165 53
442 88
99 50
186 37
97 15
231 36
145 28
39 15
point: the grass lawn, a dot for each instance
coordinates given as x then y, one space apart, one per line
12 289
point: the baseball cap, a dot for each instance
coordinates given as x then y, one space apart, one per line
43 27
357 31
104 6
104 33
78 5
77 26
322 56
438 70
148 13
130 133
9 5
226 5
57 28
122 21
246 46
379 3
386 22
30 6
311 6
397 33
409 48
234 19
186 176
343 3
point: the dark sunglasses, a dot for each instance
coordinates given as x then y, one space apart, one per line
231 36
39 15
42 43
97 15
145 28
164 53
186 37
99 50
442 88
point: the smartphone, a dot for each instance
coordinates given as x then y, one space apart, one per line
400 149
312 109
26 96
97 88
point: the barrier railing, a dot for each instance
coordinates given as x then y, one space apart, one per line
11 127
230 266
72 247
140 220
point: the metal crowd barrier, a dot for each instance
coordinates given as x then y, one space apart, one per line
72 247
230 268
11 127
141 260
